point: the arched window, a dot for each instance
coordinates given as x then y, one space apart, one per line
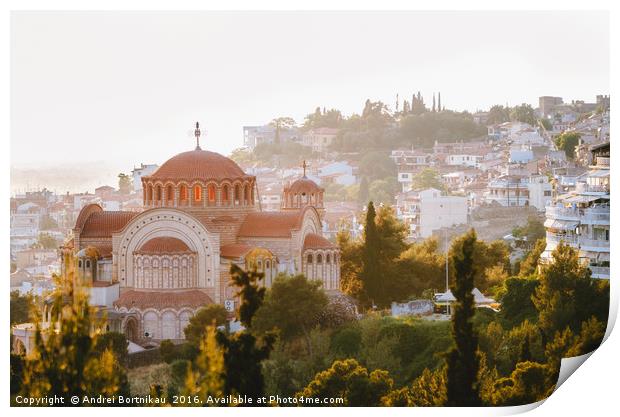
197 193
267 265
327 258
319 259
247 195
170 194
149 193
183 194
225 194
158 193
87 264
80 263
309 259
259 264
211 193
237 194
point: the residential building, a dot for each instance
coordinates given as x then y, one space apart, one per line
319 139
519 191
427 210
581 217
143 171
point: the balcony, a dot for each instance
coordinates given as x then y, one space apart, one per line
599 215
600 272
596 245
602 161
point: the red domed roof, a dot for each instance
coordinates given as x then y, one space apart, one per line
160 245
198 165
314 241
304 185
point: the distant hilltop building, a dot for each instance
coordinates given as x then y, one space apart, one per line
153 269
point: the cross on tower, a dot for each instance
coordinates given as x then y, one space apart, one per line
304 166
197 134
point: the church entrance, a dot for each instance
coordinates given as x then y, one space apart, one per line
131 329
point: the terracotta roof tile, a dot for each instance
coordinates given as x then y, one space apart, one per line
163 299
314 241
164 245
303 185
198 165
104 223
270 224
235 250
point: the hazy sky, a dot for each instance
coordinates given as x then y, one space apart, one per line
125 88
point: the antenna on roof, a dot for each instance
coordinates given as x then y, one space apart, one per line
197 134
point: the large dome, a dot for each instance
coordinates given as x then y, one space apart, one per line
198 165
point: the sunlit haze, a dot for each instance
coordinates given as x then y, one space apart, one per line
117 89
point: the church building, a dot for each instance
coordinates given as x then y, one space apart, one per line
201 213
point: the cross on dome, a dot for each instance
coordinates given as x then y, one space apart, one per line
304 166
197 134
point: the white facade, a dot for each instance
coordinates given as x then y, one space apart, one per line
467 160
319 139
138 173
428 210
581 219
519 191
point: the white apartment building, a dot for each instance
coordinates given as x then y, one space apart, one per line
519 191
427 210
581 218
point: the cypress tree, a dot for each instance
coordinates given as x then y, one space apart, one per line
370 260
363 191
434 108
439 101
463 362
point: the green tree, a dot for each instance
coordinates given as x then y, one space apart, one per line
529 264
419 268
214 314
364 191
427 390
207 375
428 178
498 114
280 124
564 284
528 383
349 380
124 184
371 268
523 113
377 166
532 231
65 362
292 306
46 241
517 304
463 362
350 264
21 307
243 351
567 142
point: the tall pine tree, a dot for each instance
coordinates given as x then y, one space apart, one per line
463 362
371 270
439 101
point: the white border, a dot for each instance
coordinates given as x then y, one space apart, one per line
592 391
